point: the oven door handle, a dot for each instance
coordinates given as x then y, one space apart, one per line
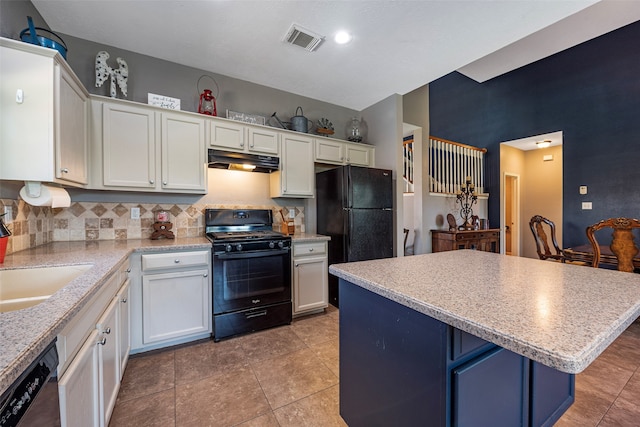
252 254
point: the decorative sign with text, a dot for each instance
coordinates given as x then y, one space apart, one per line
164 101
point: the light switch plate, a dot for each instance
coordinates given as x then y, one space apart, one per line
587 205
583 189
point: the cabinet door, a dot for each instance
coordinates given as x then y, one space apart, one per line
108 361
310 283
359 155
297 176
329 151
263 141
490 390
228 136
128 146
78 387
71 131
174 305
183 153
124 325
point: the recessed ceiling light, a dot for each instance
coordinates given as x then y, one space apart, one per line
342 37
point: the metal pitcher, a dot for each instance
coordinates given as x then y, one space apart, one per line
300 123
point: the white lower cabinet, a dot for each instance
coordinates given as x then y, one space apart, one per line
174 305
310 277
170 298
124 325
78 387
89 348
108 361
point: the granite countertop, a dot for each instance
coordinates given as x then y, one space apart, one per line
309 237
25 333
561 315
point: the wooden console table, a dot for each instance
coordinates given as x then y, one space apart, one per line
483 240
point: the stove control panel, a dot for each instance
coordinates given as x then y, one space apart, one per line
251 245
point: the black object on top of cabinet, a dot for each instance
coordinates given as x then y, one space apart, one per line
355 208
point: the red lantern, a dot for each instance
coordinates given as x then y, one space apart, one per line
207 103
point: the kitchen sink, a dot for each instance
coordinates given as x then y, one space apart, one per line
22 288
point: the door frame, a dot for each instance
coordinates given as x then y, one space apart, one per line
515 202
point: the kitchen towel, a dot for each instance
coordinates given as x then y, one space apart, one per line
38 194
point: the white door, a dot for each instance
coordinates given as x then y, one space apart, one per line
174 305
124 325
183 153
78 388
108 361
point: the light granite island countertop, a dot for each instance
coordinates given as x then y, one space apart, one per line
561 315
25 333
472 338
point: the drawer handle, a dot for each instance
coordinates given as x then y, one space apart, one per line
310 249
103 341
108 330
124 300
64 170
177 261
128 270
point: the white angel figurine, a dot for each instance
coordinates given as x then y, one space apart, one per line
104 71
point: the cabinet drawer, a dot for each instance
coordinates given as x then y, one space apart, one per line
476 236
314 248
463 343
174 260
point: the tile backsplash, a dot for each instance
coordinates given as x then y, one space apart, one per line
32 226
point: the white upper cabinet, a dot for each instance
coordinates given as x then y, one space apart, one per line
296 177
334 151
235 136
140 148
44 119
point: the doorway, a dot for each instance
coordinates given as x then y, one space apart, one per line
530 184
511 214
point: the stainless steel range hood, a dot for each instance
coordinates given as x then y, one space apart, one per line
242 161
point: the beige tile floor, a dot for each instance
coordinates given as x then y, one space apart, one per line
288 376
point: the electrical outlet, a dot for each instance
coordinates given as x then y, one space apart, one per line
292 213
583 189
587 205
135 213
8 218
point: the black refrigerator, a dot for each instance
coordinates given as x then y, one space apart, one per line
355 208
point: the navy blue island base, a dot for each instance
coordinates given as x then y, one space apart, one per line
399 367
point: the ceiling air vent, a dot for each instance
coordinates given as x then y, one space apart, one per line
302 37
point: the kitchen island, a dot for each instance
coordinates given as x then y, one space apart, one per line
472 338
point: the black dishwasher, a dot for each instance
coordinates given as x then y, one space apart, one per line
32 400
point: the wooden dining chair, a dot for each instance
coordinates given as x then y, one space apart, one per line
537 225
622 245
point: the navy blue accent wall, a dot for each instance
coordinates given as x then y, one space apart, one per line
590 92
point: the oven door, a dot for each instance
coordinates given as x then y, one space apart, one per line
244 280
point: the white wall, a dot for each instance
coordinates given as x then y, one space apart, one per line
384 122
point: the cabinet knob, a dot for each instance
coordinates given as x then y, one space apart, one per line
124 300
164 182
310 249
297 265
64 170
108 330
128 270
177 261
103 341
205 275
151 181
